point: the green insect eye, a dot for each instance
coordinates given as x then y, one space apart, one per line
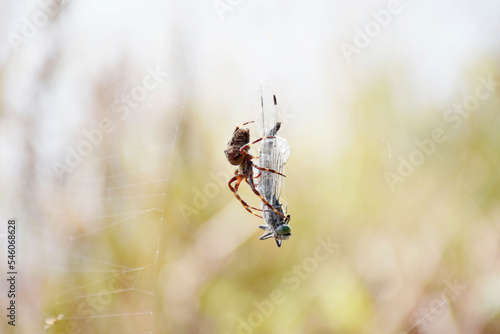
284 230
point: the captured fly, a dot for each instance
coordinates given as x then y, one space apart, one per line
274 153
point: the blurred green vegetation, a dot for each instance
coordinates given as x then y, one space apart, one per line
397 250
144 236
364 257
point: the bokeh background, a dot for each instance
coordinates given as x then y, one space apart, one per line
114 118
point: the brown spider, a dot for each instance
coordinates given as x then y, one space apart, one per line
237 154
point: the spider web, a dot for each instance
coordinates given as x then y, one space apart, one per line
98 283
89 244
99 270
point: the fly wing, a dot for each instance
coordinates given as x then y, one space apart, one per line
267 126
274 152
280 157
267 117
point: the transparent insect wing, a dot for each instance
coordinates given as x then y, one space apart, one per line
279 158
274 153
266 118
268 156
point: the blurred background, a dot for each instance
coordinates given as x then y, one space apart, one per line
113 120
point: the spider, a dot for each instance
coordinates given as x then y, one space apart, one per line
237 154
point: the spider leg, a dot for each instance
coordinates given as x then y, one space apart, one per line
242 125
244 152
245 147
256 192
256 180
238 179
238 185
267 169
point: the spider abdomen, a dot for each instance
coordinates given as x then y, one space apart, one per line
240 138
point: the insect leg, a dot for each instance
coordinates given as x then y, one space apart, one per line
267 169
238 185
256 192
245 147
238 179
242 125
